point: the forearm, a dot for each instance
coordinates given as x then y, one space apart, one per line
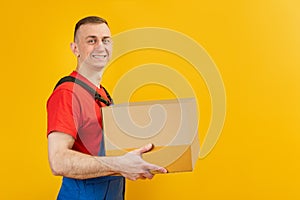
69 163
74 164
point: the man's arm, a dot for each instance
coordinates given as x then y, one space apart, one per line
66 162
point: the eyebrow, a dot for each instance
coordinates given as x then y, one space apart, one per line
94 37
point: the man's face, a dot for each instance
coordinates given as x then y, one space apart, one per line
93 46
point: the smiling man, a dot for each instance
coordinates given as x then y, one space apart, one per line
93 47
75 135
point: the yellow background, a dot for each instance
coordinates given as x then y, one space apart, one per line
255 45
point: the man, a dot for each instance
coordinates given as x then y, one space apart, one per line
75 137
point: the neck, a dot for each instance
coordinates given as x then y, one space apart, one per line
93 76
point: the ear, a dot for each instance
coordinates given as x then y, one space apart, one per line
74 49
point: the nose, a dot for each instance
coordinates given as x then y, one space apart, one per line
99 45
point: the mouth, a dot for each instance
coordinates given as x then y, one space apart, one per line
99 56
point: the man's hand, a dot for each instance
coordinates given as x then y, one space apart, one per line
133 167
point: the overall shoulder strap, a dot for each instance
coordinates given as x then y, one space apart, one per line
93 92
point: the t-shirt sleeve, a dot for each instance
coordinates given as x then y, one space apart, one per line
63 112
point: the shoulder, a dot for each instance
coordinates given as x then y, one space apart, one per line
63 93
64 88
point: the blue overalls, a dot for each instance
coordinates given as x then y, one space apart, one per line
104 188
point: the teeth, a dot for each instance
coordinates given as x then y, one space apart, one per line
99 56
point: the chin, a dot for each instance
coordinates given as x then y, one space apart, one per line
99 67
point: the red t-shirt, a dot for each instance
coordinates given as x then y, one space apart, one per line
73 110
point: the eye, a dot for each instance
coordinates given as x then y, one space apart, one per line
91 41
106 40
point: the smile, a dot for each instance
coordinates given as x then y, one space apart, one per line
99 56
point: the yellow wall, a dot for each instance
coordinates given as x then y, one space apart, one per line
255 45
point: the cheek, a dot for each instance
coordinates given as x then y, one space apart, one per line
85 50
109 49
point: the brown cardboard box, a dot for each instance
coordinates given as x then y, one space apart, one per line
171 125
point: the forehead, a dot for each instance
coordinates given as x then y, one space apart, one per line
98 30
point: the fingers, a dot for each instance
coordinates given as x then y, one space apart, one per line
143 149
134 177
161 170
154 169
148 175
150 170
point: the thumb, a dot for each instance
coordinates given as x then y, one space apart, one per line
144 149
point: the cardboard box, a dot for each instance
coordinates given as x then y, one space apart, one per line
171 125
